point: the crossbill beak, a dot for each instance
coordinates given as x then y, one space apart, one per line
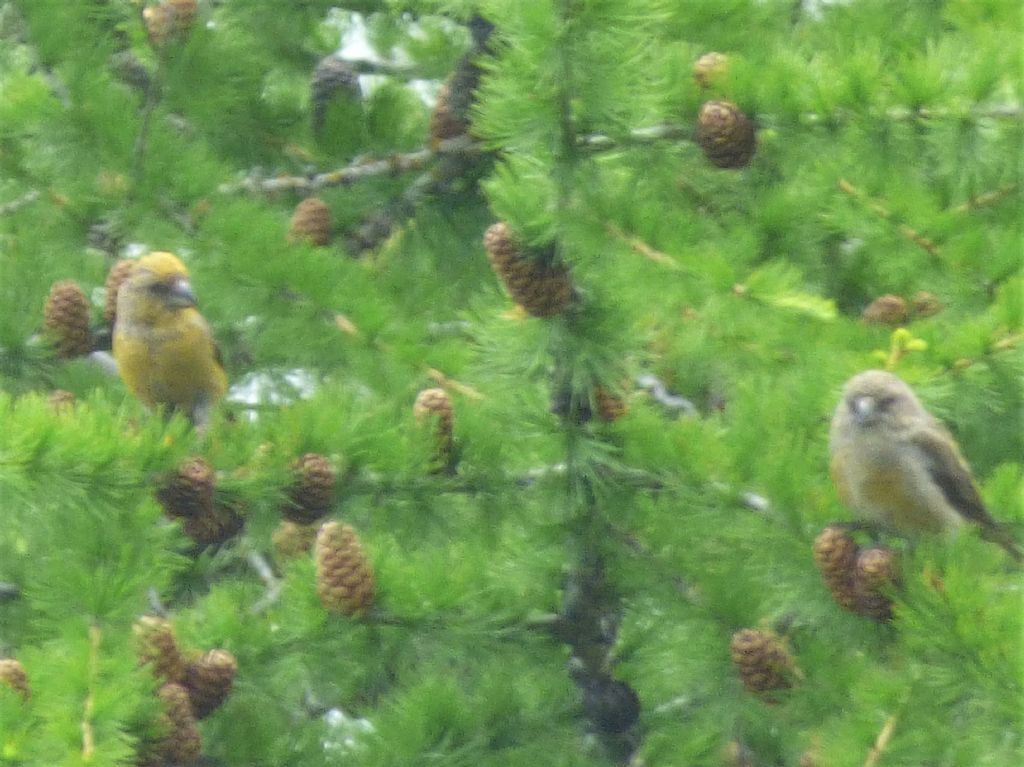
181 293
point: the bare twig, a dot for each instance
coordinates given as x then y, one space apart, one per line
88 736
9 592
271 581
142 139
451 383
361 169
882 212
988 198
15 205
881 742
641 247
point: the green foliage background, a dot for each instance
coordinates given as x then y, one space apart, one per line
878 122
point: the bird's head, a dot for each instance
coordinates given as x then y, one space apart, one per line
164 279
876 396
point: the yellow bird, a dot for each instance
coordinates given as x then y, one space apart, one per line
164 349
897 467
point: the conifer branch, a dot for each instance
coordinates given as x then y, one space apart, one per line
884 213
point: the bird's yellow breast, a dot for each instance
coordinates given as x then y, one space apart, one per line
174 364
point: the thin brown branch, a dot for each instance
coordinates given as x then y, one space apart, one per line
884 213
451 383
641 247
988 198
881 742
15 205
88 735
392 165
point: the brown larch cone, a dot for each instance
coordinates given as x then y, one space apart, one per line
925 304
434 405
208 680
762 660
737 754
725 134
610 407
835 554
876 572
293 540
214 526
12 674
311 222
61 401
344 577
332 76
889 310
129 69
312 492
156 644
66 316
180 742
710 69
118 274
543 290
451 115
189 492
168 19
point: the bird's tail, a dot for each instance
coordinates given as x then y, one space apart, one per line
1000 535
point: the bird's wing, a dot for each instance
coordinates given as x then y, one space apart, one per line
950 473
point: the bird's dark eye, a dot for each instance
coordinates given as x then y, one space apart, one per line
160 288
884 403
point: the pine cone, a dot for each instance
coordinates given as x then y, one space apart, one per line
344 577
118 273
189 493
292 540
541 289
762 660
331 75
168 20
726 135
155 643
181 744
876 572
208 680
435 405
66 316
61 401
12 674
925 304
127 68
737 754
611 705
886 310
451 115
311 222
710 69
312 492
214 526
610 407
835 553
